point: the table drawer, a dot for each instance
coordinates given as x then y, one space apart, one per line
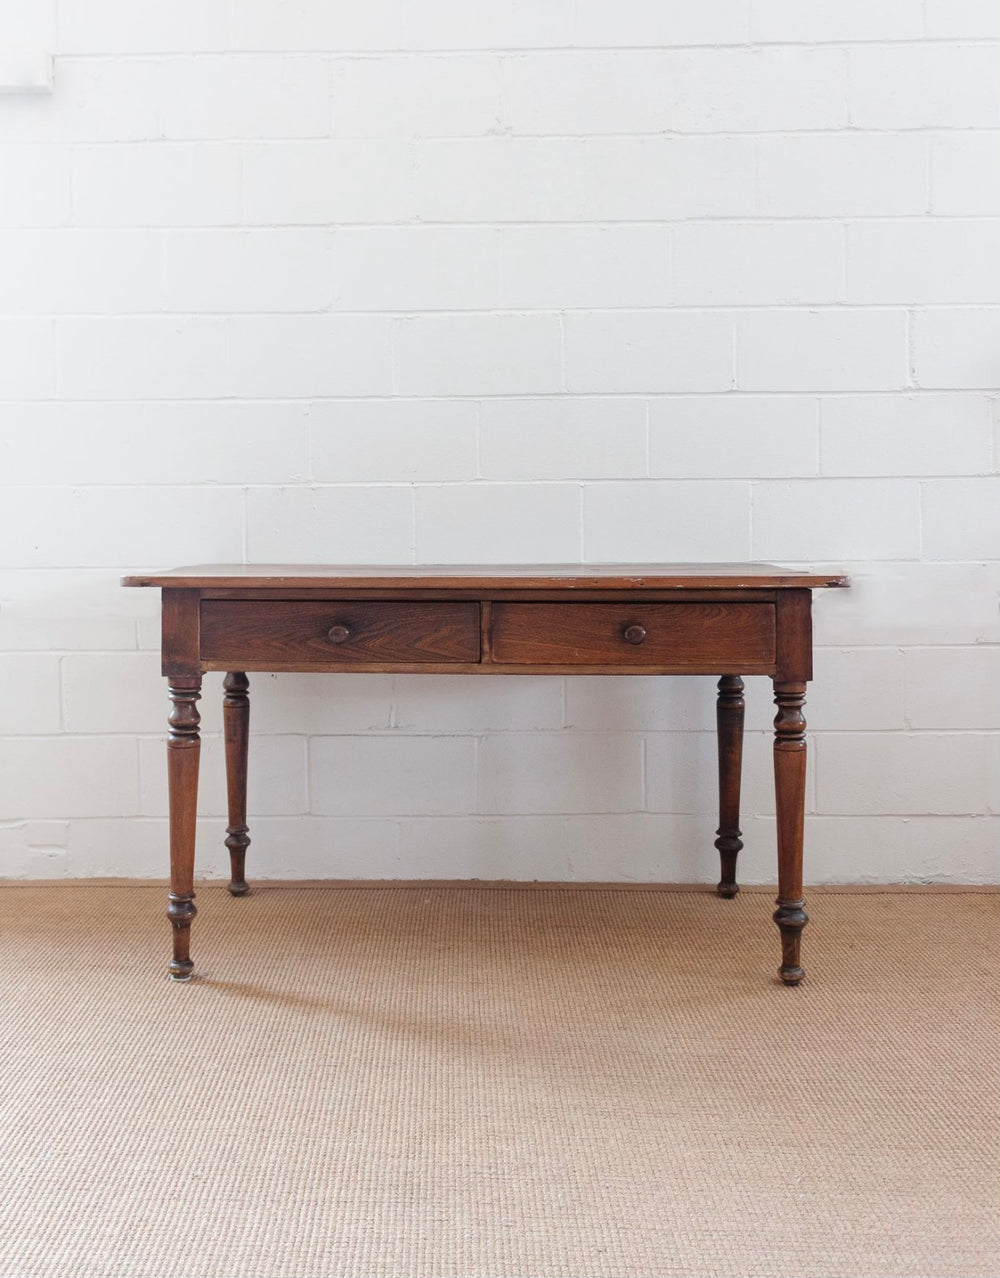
244 634
712 636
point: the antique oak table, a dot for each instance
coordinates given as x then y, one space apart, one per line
668 619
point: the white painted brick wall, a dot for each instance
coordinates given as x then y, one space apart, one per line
322 183
430 775
628 351
625 522
834 350
963 19
733 436
477 355
836 175
391 440
497 523
500 280
563 438
906 435
159 184
934 85
327 353
958 347
338 523
963 178
822 20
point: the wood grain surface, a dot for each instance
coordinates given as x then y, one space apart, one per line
344 632
487 577
695 634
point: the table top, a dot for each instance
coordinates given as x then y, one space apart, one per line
488 577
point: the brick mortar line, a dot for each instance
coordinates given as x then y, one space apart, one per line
522 50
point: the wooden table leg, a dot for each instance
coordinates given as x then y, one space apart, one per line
729 720
236 724
790 798
183 754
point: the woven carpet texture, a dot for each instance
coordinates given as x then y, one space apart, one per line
429 1081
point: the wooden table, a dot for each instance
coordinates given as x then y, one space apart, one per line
721 619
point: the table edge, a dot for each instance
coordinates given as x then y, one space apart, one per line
420 580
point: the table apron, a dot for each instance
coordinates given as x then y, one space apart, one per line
482 636
248 665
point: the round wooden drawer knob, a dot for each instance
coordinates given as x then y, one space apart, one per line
337 634
635 634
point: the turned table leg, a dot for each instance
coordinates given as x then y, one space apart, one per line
790 798
183 752
729 720
236 725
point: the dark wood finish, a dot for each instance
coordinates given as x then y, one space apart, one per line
477 668
236 729
795 653
790 797
183 752
793 672
729 721
699 637
613 619
180 641
344 632
463 590
486 631
487 579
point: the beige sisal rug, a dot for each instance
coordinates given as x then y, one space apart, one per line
432 1081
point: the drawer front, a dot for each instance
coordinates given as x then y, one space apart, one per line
712 636
247 633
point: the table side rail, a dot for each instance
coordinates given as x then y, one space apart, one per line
481 668
554 595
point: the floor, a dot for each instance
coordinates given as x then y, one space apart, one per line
488 1081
